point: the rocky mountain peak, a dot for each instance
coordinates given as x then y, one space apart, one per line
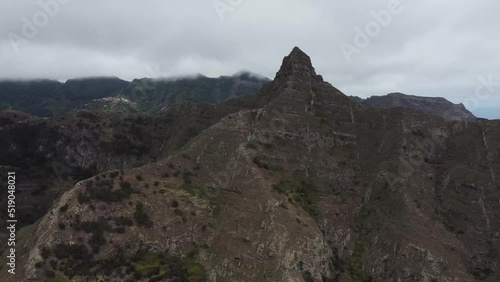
297 66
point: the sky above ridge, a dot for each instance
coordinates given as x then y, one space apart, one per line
372 47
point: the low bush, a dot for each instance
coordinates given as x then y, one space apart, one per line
141 217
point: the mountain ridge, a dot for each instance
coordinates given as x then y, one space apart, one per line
53 98
438 106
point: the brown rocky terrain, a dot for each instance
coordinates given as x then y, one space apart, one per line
53 154
299 184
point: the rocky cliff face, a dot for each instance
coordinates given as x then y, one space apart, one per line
303 184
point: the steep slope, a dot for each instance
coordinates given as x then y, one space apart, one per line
53 154
307 186
431 105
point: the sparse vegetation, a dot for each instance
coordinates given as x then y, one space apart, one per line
97 228
76 256
347 149
355 263
103 191
163 266
323 117
301 193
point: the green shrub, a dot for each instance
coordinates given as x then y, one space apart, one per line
123 221
126 185
175 203
63 208
141 217
195 270
119 230
301 193
181 213
66 251
186 176
45 252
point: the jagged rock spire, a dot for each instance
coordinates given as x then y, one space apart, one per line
297 66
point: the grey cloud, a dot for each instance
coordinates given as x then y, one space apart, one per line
430 48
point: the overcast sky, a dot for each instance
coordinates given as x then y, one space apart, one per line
429 48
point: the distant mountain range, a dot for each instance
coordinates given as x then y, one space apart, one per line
432 105
47 98
50 98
